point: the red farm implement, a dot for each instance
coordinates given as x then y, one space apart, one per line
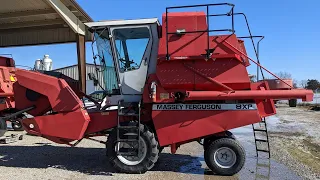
7 102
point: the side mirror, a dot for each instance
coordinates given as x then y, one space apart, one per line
92 77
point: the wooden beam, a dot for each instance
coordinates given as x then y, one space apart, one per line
75 24
31 24
39 12
81 51
27 13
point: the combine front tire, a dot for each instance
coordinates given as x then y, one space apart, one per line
3 127
148 156
225 156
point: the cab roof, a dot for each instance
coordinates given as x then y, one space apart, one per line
122 22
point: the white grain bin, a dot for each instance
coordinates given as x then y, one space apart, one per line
47 63
38 65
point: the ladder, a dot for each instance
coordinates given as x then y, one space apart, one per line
261 138
262 169
128 132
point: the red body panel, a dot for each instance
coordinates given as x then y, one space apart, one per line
102 120
226 65
54 94
68 125
178 126
174 75
7 78
187 45
58 92
265 107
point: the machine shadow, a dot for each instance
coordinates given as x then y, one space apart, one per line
92 161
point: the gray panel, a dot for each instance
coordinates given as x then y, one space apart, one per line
132 82
154 52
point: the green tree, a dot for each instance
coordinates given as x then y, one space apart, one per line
312 84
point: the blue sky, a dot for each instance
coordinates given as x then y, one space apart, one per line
291 29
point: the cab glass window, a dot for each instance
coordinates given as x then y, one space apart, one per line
131 44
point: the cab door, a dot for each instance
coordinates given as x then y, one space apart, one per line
133 45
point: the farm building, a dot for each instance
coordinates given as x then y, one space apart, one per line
73 72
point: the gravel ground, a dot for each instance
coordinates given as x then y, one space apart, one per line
295 140
37 158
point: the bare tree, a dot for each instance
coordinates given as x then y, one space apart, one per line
303 83
284 75
295 83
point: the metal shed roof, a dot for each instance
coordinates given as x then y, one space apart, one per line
35 22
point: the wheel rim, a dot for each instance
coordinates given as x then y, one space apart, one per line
133 160
225 157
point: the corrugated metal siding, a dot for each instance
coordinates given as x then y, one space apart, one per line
72 71
35 37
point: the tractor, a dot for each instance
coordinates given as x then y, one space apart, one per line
171 84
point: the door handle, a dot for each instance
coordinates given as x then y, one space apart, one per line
145 61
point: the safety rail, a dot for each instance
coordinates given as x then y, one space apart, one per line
208 30
257 51
232 30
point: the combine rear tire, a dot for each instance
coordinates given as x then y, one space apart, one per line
225 156
148 156
3 127
293 103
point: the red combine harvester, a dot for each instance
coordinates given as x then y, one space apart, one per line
170 85
7 103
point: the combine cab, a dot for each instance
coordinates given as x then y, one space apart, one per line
172 84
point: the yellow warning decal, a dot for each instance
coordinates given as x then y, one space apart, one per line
12 79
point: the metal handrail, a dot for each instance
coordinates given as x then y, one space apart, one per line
230 13
258 48
253 44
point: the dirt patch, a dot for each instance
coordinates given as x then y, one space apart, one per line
295 140
287 134
313 148
308 154
296 155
